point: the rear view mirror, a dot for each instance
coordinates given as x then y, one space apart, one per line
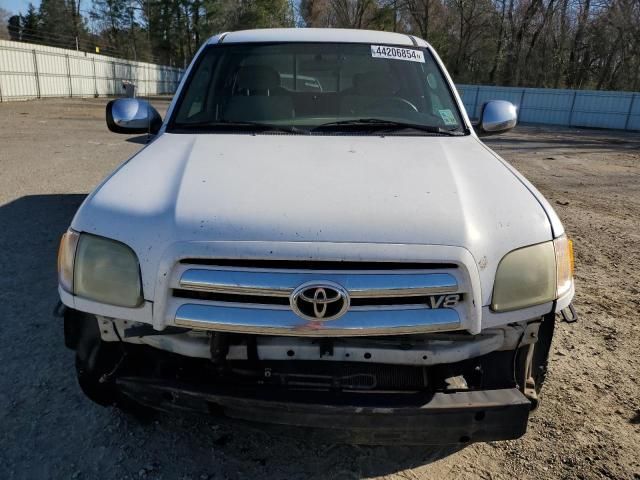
497 116
131 115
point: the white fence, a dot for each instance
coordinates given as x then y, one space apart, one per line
572 108
37 71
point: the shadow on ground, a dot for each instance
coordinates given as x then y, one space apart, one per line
46 418
530 137
31 230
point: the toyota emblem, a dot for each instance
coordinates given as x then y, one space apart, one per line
320 301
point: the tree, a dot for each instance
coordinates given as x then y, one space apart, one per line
264 14
547 43
421 12
4 24
60 23
353 13
317 13
31 25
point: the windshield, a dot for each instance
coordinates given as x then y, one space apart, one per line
316 87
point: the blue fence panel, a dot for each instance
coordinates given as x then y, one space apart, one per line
468 93
577 108
633 122
601 109
549 106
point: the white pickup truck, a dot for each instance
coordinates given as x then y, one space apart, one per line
317 237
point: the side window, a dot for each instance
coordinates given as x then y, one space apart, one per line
200 86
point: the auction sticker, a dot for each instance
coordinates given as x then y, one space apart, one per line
447 117
397 53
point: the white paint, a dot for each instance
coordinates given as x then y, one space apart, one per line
335 35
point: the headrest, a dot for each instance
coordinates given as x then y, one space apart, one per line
257 77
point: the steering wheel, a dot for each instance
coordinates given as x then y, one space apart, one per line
393 103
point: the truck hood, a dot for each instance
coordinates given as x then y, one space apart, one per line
282 188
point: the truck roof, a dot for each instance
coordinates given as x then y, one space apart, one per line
338 35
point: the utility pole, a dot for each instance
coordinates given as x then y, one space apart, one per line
395 15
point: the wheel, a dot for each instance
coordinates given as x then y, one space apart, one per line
96 367
102 393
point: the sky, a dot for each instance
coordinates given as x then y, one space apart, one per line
15 6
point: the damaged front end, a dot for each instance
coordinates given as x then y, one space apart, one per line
412 389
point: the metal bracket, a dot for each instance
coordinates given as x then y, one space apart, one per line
219 347
148 331
569 314
326 347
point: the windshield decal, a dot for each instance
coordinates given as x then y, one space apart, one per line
447 117
397 53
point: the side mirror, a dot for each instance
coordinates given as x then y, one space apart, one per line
131 115
497 116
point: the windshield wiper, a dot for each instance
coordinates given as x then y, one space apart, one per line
244 126
378 124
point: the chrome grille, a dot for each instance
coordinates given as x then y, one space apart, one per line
254 297
279 283
317 265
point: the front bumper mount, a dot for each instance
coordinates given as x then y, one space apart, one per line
442 418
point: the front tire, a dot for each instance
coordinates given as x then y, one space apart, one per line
103 393
98 385
97 365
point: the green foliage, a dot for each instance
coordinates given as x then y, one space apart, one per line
61 20
31 22
264 14
57 23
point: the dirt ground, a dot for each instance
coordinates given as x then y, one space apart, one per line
588 426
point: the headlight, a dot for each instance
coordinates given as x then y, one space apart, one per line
533 275
66 256
525 277
99 269
564 264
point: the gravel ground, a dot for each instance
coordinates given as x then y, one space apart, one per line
588 426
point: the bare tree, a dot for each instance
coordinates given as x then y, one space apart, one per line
352 13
